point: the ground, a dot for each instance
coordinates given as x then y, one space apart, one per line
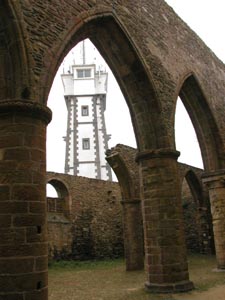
108 280
217 293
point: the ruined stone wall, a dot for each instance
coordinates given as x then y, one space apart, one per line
195 203
155 57
196 211
197 224
93 228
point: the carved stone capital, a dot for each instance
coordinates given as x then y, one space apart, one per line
157 153
214 179
26 107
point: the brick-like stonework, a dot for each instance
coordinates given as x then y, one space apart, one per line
195 201
93 226
155 57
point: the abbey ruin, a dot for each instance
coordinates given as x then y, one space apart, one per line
98 225
155 58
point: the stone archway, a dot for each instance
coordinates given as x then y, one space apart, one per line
196 210
152 134
58 215
111 40
148 59
63 195
122 160
209 138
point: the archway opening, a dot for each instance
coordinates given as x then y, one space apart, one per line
207 133
186 139
51 191
57 197
132 78
58 217
120 131
196 214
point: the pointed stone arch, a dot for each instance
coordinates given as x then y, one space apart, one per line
134 78
196 207
195 187
199 110
122 160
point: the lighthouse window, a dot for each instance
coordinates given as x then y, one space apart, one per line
83 73
84 110
86 144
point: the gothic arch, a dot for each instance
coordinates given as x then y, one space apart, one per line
122 56
121 158
196 104
123 175
197 215
195 187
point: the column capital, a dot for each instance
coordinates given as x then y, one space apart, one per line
214 179
157 153
26 107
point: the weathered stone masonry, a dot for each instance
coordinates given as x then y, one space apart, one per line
194 199
93 227
82 227
155 57
23 237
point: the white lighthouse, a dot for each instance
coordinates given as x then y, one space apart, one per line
85 90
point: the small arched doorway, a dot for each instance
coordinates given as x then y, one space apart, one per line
58 218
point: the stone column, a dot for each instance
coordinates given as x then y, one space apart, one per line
122 160
23 232
204 230
216 184
165 250
133 235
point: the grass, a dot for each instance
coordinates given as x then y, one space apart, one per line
202 272
101 280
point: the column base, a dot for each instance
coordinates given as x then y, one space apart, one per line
180 287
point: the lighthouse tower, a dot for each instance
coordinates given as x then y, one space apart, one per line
86 140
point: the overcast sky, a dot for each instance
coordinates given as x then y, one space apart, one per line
206 18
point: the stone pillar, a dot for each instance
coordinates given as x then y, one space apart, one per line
23 232
165 250
204 231
216 184
122 160
133 235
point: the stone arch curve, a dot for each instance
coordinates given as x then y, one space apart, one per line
108 34
199 210
62 190
15 81
24 167
195 187
196 104
122 160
